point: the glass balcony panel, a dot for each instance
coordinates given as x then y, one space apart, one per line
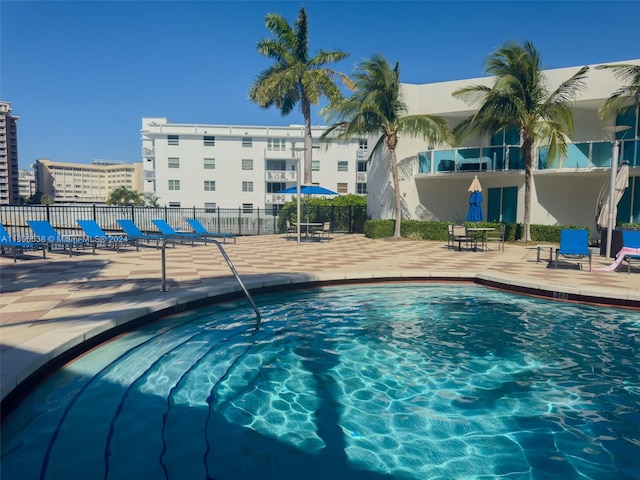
444 160
630 151
424 162
495 156
470 159
516 162
601 154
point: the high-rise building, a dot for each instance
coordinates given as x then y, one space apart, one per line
9 185
27 183
65 182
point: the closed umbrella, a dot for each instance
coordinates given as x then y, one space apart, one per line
602 206
475 202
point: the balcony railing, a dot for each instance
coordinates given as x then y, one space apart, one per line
149 174
148 152
280 176
276 198
585 155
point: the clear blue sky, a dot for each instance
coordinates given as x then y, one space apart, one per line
82 74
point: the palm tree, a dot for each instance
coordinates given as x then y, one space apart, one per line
627 96
294 77
520 97
123 196
377 108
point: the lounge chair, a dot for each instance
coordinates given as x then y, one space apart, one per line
631 240
201 230
168 231
6 243
94 232
49 238
135 235
574 244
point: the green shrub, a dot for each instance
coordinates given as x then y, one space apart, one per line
378 228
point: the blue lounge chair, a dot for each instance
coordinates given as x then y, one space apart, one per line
631 239
574 244
6 243
94 232
201 230
135 235
47 236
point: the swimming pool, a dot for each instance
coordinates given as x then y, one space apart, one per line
352 382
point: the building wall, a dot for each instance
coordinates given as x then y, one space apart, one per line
246 164
27 183
562 196
9 177
82 183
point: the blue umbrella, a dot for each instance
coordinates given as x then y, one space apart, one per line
309 190
475 201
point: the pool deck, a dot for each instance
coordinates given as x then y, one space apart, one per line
49 306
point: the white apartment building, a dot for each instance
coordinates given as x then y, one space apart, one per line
27 183
434 178
235 166
80 183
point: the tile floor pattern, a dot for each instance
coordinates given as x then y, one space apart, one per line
48 305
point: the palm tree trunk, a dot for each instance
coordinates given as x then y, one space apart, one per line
527 146
308 141
396 191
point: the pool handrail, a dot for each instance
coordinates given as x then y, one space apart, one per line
205 240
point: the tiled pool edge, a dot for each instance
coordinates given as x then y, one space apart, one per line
25 364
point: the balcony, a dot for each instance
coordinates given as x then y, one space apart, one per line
149 175
284 154
148 152
280 176
276 198
585 155
362 154
361 177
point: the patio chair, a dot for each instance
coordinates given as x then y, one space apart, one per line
135 235
202 231
497 236
574 244
323 232
49 238
460 235
6 243
290 230
631 239
450 240
94 232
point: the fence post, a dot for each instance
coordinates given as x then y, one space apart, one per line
166 213
258 220
351 219
194 211
218 221
95 217
239 220
48 211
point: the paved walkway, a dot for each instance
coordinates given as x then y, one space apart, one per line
48 306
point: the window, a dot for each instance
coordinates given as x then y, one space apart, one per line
342 188
210 207
362 166
173 139
247 208
275 187
362 145
277 165
174 204
209 185
276 144
361 188
209 141
247 164
247 186
174 184
315 165
209 163
247 142
343 166
174 162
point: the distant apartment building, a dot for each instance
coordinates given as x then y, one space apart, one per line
82 183
26 183
9 190
234 166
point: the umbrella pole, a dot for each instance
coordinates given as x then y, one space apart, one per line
612 189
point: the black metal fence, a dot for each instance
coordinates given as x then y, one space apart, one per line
239 221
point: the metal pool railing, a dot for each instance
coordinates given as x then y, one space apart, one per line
205 240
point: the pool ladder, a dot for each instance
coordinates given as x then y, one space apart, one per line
205 240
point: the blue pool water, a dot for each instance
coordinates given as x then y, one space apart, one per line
359 382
